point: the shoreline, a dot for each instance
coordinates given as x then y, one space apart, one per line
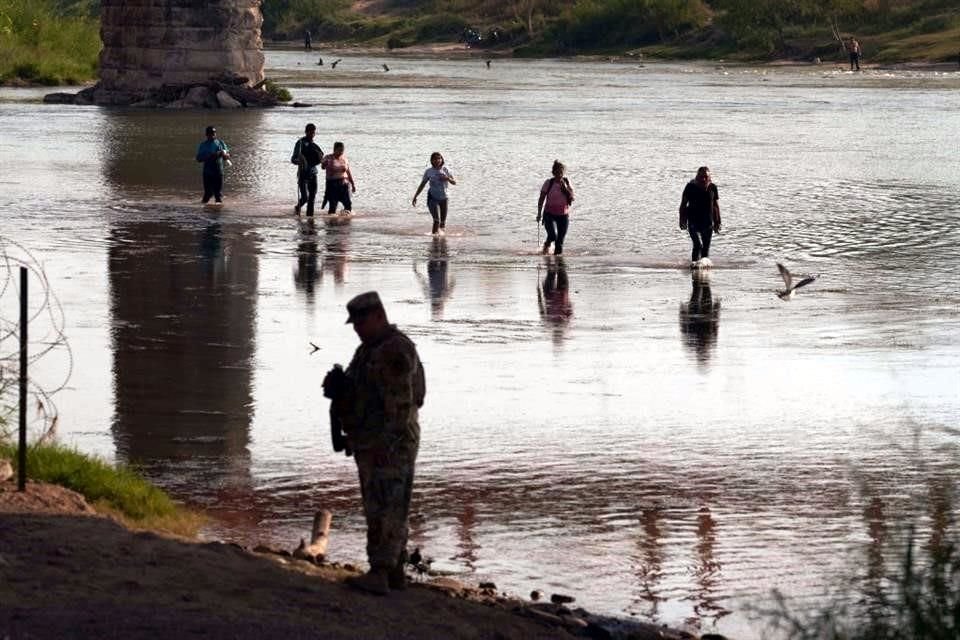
147 584
457 51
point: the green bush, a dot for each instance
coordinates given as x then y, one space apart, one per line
442 26
45 43
278 92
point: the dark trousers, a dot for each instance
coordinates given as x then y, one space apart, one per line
438 211
307 186
386 486
212 186
701 236
854 61
556 226
338 191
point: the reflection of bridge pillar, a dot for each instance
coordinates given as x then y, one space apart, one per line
147 43
182 307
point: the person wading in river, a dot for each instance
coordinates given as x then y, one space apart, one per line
307 156
212 152
438 176
556 196
700 214
377 403
339 180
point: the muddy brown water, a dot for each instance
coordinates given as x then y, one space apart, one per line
606 425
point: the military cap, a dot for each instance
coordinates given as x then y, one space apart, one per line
362 304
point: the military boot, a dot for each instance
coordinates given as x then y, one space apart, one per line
374 581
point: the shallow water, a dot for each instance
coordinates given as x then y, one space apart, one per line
660 445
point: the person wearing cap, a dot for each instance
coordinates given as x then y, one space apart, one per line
307 156
212 152
387 387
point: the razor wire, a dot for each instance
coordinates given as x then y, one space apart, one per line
44 313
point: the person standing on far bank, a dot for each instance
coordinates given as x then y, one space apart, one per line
385 388
307 40
213 152
855 54
339 179
700 212
438 176
556 196
307 156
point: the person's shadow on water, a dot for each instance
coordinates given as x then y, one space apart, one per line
553 298
306 275
700 318
438 284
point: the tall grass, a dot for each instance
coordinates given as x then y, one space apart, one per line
924 604
116 490
907 587
46 42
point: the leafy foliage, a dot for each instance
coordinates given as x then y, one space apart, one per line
48 42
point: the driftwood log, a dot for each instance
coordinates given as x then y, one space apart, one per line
316 551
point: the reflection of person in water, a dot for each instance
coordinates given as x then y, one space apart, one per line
649 562
305 277
437 285
700 318
553 297
707 569
336 250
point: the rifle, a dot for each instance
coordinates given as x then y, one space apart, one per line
338 387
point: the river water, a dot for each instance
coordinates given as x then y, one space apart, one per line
660 445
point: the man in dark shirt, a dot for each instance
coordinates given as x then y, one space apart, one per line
307 156
700 213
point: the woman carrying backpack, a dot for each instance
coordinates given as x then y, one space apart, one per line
557 194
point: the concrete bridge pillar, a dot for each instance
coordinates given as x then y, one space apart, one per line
148 43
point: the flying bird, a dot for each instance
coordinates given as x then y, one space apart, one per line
787 292
320 62
315 348
488 64
385 67
333 65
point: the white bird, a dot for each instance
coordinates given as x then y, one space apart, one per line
787 292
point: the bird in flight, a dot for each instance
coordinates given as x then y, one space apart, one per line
385 67
320 62
787 292
333 65
315 348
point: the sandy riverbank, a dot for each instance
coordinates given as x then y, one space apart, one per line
70 572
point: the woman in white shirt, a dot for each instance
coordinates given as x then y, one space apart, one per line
438 176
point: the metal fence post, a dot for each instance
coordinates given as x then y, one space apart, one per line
22 459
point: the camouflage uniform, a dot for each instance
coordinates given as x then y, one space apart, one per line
382 429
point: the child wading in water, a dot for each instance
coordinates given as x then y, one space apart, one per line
557 193
438 176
